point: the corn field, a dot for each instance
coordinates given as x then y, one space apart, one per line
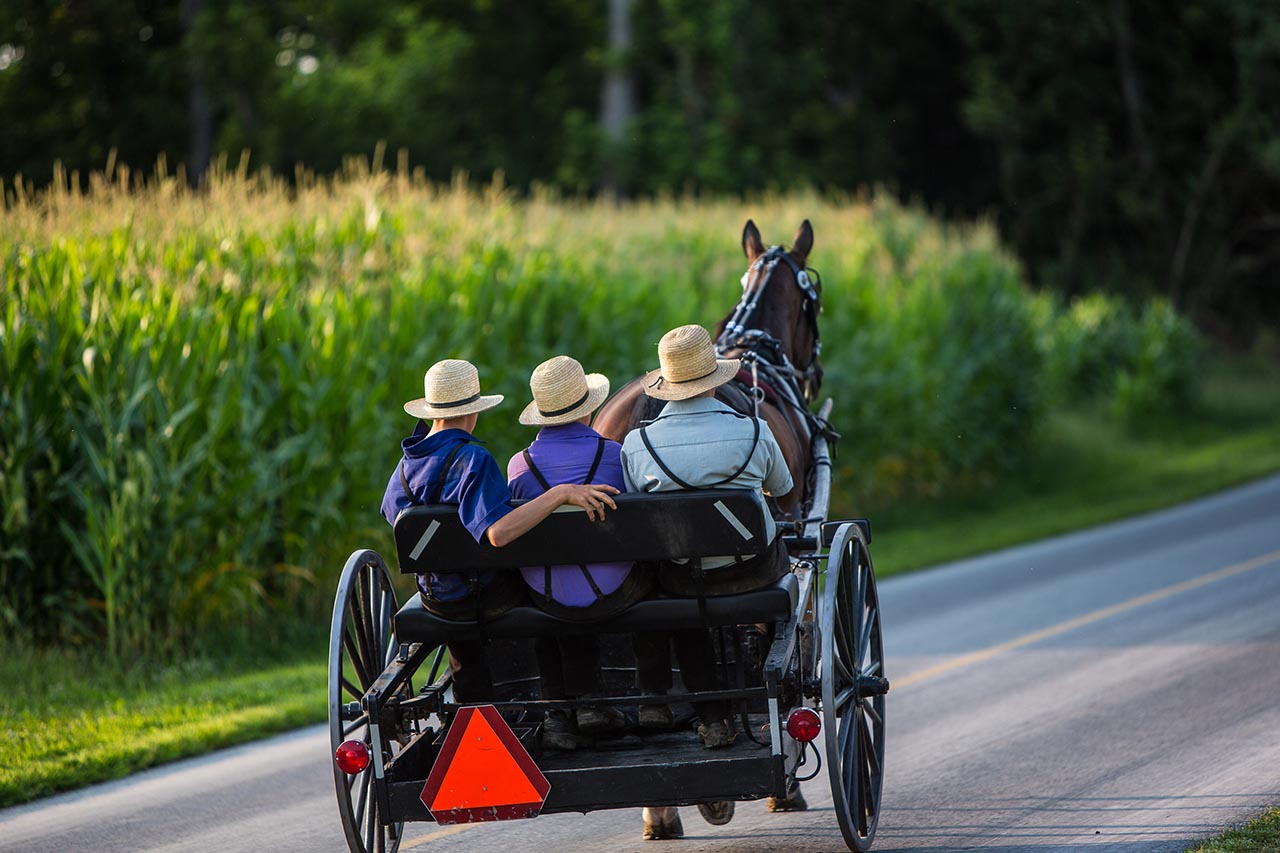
200 393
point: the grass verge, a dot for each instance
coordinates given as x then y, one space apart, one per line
1261 835
1089 469
70 719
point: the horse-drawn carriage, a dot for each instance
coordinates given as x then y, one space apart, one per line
799 659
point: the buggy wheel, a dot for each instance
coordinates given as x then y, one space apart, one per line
853 687
361 644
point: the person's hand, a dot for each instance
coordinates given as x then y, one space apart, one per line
593 498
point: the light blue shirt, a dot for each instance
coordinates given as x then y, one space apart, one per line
704 441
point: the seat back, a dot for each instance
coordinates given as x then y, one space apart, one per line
645 526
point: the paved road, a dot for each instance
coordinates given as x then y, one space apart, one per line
1112 690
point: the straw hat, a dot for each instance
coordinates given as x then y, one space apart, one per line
452 390
563 393
689 365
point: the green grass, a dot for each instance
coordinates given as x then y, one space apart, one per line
1258 836
1087 470
71 719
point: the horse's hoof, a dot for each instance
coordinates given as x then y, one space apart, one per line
718 813
794 802
662 824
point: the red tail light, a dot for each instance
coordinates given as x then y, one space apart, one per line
353 756
803 724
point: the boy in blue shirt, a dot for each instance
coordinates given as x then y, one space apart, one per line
445 465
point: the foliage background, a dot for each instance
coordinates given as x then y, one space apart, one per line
1125 145
200 393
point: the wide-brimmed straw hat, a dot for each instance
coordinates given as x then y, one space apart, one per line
452 389
689 365
563 392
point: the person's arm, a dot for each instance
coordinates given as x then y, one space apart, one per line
777 478
525 517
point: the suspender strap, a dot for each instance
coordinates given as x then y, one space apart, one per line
546 486
439 487
533 469
755 442
595 463
542 481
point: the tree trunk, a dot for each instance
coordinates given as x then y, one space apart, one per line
199 116
617 100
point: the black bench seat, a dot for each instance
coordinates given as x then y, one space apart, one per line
415 624
656 526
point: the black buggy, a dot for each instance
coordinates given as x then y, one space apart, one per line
391 704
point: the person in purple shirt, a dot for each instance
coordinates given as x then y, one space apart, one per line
445 465
568 450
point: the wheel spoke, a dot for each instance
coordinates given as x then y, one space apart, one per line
857 601
845 740
842 670
353 655
361 797
360 721
844 697
864 641
362 615
863 786
356 693
389 651
869 747
371 823
872 668
871 712
397 835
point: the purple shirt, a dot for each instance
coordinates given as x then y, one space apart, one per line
564 454
473 482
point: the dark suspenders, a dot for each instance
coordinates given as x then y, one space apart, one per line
438 490
542 481
755 441
696 564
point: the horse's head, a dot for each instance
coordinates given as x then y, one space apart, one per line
781 300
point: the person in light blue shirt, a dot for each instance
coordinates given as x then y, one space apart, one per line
699 443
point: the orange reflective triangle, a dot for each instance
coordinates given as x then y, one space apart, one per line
483 772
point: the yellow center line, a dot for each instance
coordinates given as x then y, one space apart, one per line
1087 619
437 835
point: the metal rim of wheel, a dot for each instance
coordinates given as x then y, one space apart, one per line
361 644
853 687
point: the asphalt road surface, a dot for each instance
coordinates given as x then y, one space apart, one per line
1112 690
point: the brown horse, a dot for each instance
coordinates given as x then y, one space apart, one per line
774 328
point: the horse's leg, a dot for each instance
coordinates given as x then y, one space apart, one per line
662 823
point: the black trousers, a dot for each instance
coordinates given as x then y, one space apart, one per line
568 667
694 650
697 659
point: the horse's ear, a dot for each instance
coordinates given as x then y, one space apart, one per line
803 243
752 245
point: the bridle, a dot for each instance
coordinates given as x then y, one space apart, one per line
764 351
